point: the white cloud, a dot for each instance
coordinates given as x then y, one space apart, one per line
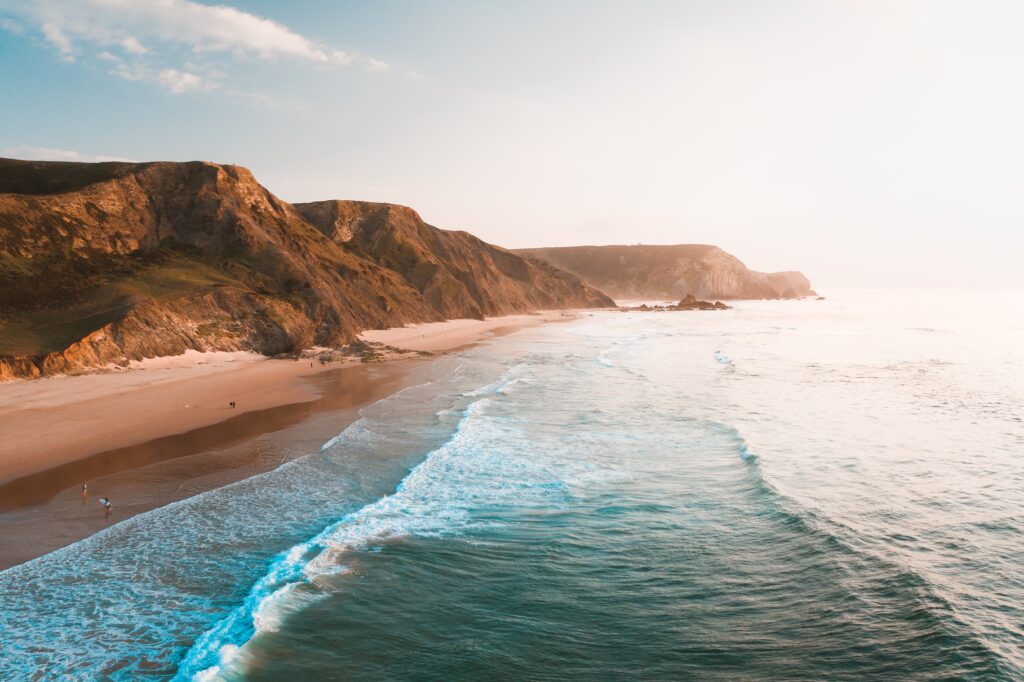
133 46
180 45
49 154
58 39
175 80
184 23
183 81
129 72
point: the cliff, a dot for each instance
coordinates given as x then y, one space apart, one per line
457 273
111 262
670 272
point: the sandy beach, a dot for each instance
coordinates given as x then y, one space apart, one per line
164 430
455 334
53 421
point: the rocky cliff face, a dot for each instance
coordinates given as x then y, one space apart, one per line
111 262
458 274
671 272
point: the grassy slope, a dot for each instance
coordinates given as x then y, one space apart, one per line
105 300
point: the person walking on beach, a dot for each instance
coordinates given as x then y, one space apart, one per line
105 501
232 404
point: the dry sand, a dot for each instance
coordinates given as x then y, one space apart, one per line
49 422
46 510
45 423
162 430
440 336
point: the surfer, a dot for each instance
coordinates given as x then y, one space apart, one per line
105 501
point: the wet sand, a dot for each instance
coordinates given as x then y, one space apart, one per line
47 510
50 422
130 436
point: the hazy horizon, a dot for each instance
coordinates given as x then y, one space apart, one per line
864 144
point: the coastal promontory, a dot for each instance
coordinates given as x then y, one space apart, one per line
671 272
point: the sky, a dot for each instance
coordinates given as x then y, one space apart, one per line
865 143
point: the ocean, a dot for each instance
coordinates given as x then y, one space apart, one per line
789 490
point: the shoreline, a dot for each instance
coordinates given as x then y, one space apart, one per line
52 421
130 435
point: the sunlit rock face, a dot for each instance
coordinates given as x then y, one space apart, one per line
459 274
671 272
111 262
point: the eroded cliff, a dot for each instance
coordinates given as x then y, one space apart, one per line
670 272
459 274
112 262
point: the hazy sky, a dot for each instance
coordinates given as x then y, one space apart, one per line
865 143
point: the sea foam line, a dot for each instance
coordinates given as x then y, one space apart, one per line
31 570
144 517
401 514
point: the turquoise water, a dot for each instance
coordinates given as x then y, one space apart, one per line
787 490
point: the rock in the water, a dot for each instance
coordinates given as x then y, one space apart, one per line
689 302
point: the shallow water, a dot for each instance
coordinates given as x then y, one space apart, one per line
46 511
787 490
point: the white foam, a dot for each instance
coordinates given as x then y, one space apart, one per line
510 376
435 499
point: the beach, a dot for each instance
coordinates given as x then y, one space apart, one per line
164 429
771 491
457 334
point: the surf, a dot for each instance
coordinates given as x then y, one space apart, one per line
435 499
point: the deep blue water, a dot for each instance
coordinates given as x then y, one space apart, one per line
803 490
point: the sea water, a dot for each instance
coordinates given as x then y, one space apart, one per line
786 490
